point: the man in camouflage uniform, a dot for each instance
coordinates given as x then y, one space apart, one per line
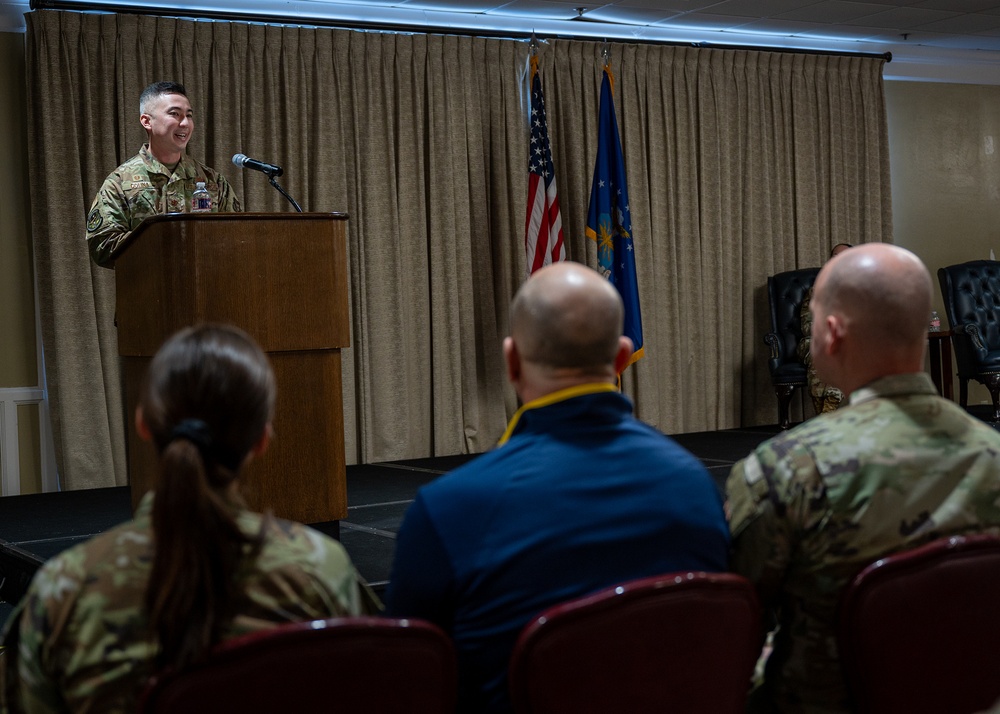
160 179
825 397
80 640
897 467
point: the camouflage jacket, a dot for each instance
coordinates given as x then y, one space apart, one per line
806 324
79 641
818 389
144 187
811 507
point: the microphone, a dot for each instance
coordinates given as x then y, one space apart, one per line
244 161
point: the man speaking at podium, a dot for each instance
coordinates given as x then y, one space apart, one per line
161 178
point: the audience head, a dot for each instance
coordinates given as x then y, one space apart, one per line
208 396
206 405
870 310
565 329
839 248
166 115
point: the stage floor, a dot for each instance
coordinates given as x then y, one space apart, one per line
34 528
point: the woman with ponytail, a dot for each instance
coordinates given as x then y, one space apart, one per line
194 567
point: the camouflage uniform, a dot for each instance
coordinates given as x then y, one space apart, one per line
811 507
84 639
144 187
825 398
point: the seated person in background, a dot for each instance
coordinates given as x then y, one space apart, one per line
161 178
579 496
896 468
825 397
194 567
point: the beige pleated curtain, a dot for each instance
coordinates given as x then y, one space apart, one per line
740 164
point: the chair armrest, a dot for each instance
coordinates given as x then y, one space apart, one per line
972 330
774 344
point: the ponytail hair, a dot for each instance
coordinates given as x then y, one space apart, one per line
207 400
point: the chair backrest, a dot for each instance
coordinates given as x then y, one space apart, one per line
785 293
685 642
919 631
366 664
971 294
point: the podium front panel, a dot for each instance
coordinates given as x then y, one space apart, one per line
301 476
283 279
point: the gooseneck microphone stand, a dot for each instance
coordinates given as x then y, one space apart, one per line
283 192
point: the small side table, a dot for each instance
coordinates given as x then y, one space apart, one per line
939 346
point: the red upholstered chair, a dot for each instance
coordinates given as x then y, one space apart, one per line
919 631
685 642
357 664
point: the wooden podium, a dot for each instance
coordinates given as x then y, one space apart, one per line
282 277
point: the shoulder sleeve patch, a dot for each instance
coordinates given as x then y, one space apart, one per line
94 220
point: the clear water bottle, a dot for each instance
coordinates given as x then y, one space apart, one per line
935 325
201 200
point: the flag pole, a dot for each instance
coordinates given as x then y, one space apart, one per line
609 216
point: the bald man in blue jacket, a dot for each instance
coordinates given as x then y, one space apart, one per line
579 495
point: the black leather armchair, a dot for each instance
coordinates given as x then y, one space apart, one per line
971 293
785 293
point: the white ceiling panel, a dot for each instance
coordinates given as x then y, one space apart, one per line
529 9
949 34
964 24
707 21
834 11
961 5
797 28
630 15
681 5
903 17
463 6
754 8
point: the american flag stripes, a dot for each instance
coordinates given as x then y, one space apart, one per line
543 237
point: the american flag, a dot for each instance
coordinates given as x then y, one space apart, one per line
543 237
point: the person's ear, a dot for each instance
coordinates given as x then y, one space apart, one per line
512 359
835 333
141 427
624 354
263 442
144 119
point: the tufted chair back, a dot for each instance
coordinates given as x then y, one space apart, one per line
971 293
785 293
